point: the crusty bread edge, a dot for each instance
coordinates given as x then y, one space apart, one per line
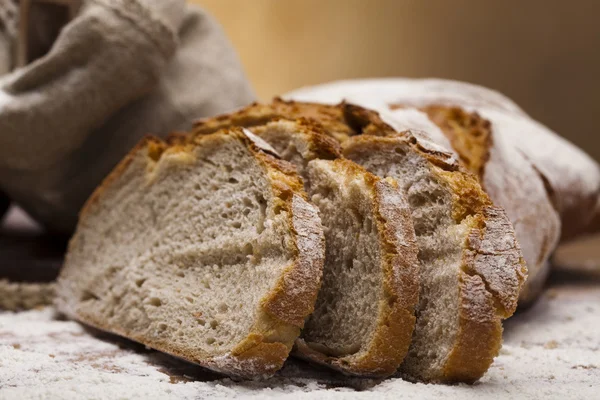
483 305
330 117
472 137
267 346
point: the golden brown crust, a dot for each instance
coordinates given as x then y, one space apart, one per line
487 295
491 247
479 337
268 344
364 121
468 196
259 114
396 320
296 292
338 121
400 265
177 138
320 145
472 138
260 354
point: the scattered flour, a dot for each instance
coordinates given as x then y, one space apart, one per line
551 351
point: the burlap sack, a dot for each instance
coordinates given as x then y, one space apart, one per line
121 69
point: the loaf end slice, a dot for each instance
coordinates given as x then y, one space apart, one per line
204 249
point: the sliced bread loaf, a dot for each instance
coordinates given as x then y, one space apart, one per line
471 265
364 316
509 168
207 250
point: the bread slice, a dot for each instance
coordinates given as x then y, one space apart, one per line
471 265
207 250
365 313
364 316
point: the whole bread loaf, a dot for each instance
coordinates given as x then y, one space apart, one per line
572 178
206 249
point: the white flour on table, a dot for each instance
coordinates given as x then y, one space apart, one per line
551 351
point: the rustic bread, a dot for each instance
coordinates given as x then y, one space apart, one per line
472 267
204 249
329 117
570 175
506 175
364 315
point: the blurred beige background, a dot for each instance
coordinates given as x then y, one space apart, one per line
543 54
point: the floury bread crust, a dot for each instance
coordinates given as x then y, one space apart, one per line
364 315
331 118
204 249
572 177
